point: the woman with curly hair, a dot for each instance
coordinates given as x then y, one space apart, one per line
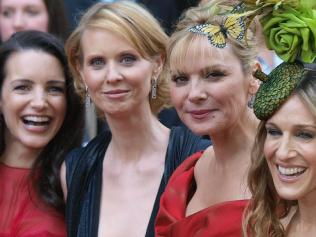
283 171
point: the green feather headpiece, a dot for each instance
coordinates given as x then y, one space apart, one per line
276 88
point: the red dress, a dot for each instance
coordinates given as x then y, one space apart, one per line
220 220
21 213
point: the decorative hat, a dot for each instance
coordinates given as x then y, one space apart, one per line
289 27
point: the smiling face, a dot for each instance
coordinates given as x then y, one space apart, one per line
117 76
33 99
18 15
209 88
290 150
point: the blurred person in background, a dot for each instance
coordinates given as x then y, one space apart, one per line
42 15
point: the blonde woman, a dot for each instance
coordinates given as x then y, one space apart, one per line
113 185
211 88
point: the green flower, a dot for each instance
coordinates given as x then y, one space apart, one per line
291 33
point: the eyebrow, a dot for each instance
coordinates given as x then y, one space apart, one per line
297 126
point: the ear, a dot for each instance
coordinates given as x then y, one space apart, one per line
158 65
254 82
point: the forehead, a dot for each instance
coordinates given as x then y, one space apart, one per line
103 40
197 51
293 112
32 63
21 3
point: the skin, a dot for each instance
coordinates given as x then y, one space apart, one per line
19 15
118 81
210 92
290 149
31 94
117 77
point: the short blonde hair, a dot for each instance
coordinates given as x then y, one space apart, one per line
134 24
209 12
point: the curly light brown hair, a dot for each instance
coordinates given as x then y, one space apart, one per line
266 209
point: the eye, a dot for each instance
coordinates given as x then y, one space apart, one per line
128 59
180 80
305 135
22 88
273 132
214 75
56 90
97 62
32 12
7 13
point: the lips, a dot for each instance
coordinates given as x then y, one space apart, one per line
291 171
115 92
36 120
200 114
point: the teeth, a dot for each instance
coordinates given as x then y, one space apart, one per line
36 119
291 171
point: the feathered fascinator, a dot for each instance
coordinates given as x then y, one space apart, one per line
289 27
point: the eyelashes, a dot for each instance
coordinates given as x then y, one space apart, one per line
212 76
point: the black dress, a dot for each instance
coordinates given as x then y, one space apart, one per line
84 177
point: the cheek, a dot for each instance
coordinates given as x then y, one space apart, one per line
40 25
63 105
92 79
268 150
177 95
5 30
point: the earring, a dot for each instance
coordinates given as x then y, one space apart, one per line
88 100
154 88
251 101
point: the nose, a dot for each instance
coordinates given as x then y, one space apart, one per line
39 100
113 73
197 91
286 149
18 21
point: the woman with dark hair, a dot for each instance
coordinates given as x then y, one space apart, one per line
41 120
43 15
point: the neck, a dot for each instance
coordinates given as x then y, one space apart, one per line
137 134
236 142
307 208
303 223
19 157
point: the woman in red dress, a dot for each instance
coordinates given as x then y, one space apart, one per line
212 86
41 120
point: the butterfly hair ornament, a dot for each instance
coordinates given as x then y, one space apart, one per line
289 29
233 26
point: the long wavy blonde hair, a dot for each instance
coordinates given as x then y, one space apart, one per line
262 218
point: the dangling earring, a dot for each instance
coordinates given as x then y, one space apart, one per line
88 98
154 88
251 101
